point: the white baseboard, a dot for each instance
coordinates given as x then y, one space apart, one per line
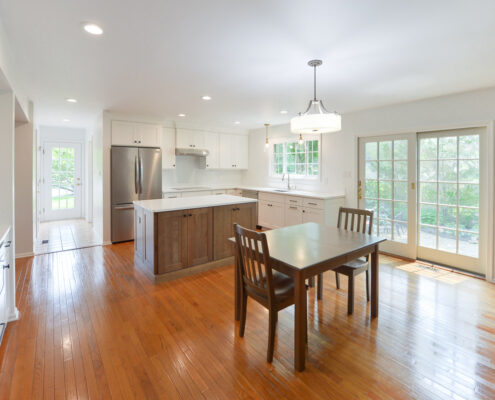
24 255
14 315
106 243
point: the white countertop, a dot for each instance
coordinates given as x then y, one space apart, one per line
301 193
4 229
186 203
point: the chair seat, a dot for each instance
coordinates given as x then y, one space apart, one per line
354 265
283 287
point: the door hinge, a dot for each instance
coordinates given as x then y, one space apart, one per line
413 185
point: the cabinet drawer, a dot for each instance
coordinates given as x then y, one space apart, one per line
293 201
313 203
271 197
293 215
171 195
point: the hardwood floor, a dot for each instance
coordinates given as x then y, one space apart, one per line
92 326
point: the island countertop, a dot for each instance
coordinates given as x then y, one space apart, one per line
187 203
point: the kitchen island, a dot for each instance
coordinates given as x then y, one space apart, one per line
178 237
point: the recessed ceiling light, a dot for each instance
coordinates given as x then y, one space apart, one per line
237 122
69 100
206 98
93 29
283 112
66 120
181 115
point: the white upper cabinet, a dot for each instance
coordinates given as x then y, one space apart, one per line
211 142
190 138
233 151
168 148
135 134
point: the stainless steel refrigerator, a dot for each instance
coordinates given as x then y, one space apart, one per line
136 175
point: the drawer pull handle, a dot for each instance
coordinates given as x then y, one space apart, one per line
293 208
293 201
313 204
7 266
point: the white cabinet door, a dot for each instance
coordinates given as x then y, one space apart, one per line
313 215
123 133
270 214
293 215
168 148
225 154
190 138
240 151
211 144
172 195
147 135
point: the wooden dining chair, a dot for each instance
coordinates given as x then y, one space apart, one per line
270 288
352 219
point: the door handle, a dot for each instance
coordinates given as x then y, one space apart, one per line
124 208
140 175
136 174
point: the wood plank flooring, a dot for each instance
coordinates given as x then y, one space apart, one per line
93 326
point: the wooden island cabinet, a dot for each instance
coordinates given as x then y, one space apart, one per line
171 243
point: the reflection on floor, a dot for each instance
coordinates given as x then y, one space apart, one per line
65 235
94 326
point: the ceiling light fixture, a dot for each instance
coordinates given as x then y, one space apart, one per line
267 143
181 115
69 100
93 29
283 112
237 122
316 119
206 98
66 120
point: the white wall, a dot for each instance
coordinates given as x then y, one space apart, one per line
339 150
24 145
189 173
97 141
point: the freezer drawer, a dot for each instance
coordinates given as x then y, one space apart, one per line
122 222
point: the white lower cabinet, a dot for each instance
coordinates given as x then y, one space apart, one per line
196 193
293 215
278 210
271 214
313 215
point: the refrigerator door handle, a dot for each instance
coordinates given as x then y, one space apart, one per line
136 175
131 207
141 174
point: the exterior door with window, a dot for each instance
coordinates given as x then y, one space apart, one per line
62 181
449 198
387 177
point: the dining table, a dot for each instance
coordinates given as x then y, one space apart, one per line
306 250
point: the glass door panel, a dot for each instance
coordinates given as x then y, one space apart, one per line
62 181
385 176
449 202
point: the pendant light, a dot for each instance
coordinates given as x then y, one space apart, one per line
267 143
316 119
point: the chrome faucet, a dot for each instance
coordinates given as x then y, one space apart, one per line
288 180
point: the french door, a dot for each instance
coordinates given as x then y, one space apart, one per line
424 190
387 186
449 198
62 192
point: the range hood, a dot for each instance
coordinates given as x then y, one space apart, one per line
191 151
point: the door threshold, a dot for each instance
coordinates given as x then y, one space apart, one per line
450 269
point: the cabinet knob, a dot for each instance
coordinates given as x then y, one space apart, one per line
190 215
185 215
173 165
303 211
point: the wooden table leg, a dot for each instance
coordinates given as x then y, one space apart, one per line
300 322
237 289
374 283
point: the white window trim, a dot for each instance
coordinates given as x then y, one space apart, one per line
293 138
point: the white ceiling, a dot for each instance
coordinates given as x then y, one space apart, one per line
159 57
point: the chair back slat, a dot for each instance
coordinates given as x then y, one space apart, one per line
356 214
254 261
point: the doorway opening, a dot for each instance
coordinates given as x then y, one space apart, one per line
63 167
